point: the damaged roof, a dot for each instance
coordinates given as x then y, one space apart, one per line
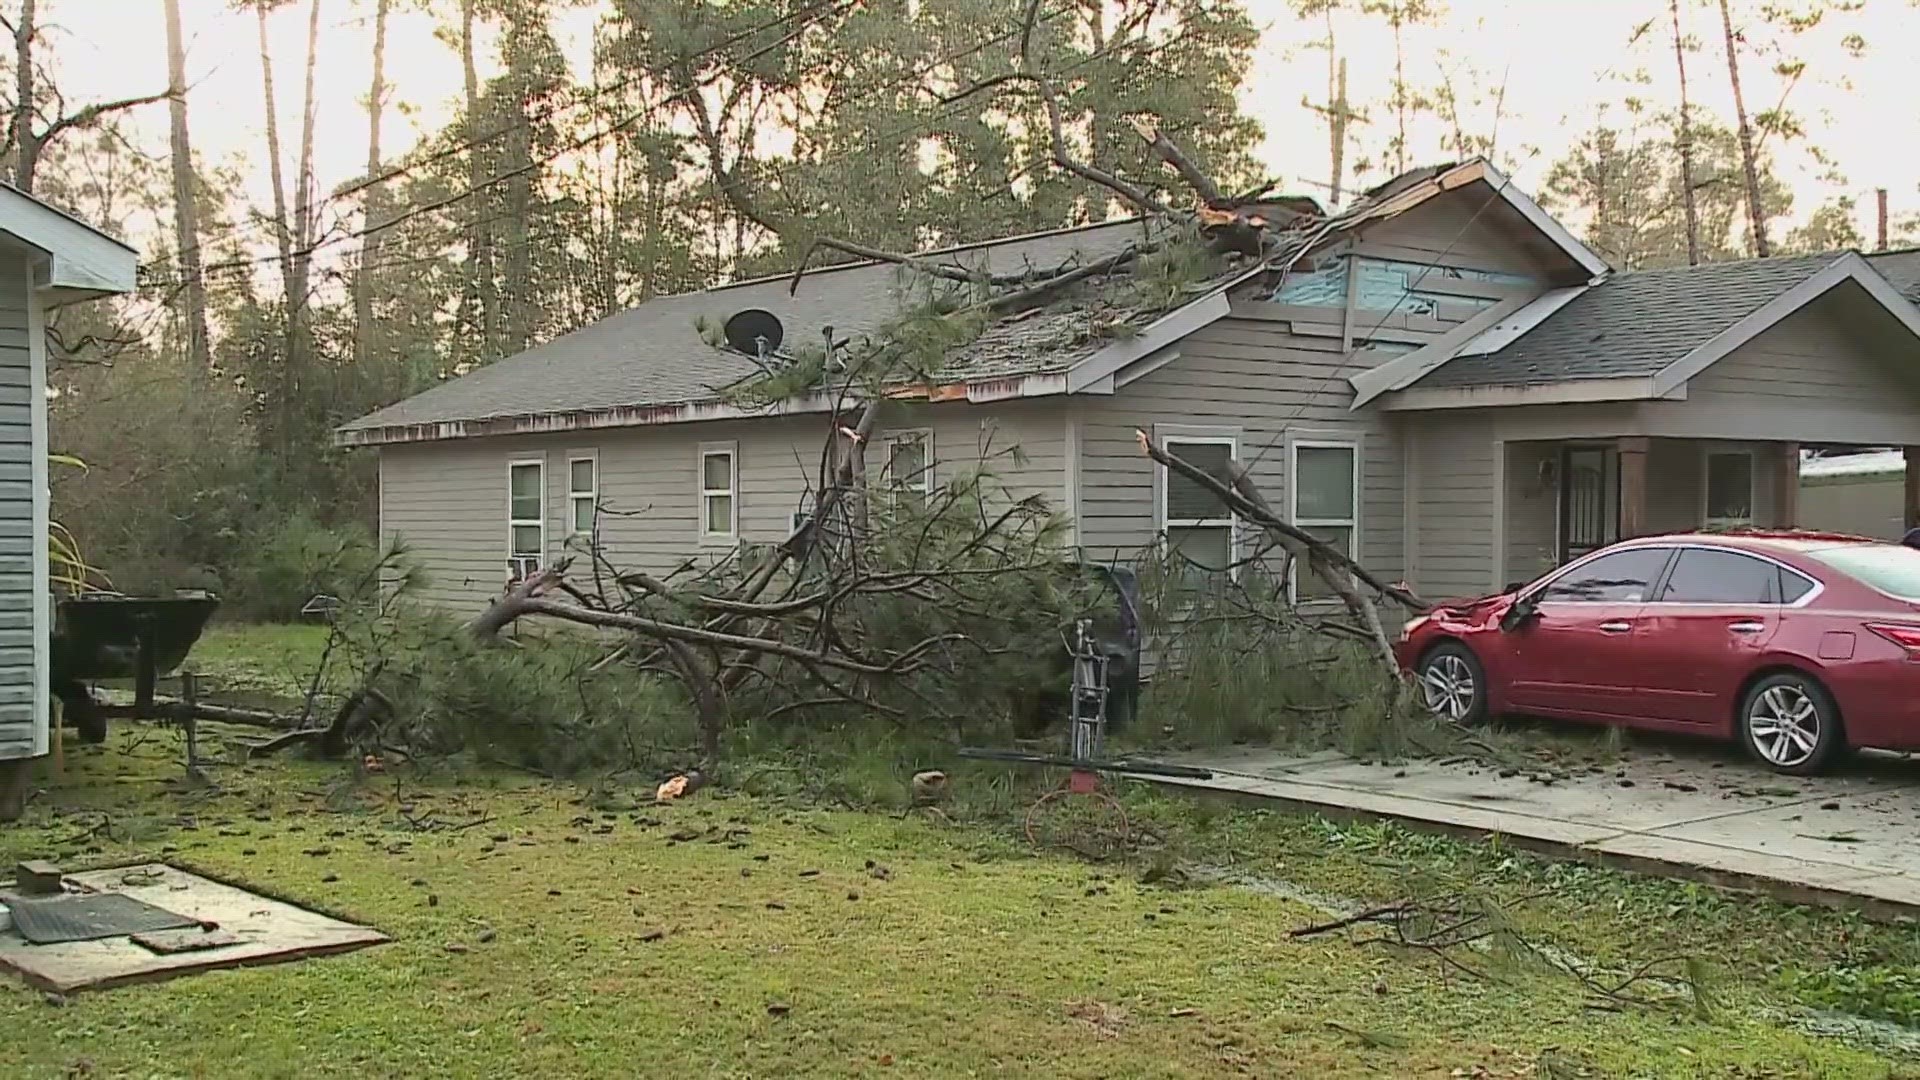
655 354
1632 324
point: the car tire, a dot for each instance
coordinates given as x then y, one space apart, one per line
1452 684
1789 723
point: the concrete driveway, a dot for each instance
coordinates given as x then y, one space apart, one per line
1697 812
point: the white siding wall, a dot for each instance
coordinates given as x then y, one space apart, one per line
448 501
24 609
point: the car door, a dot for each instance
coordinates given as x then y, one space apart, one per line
1575 656
1704 631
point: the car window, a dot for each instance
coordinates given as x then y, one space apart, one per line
1721 577
1794 585
1890 568
1622 577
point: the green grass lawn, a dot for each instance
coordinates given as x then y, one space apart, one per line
746 936
551 929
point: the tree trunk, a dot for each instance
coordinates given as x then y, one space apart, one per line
186 219
1338 129
1756 211
373 205
1687 200
299 266
1400 96
282 237
485 293
26 148
516 297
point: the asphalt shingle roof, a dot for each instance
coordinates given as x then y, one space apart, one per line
1633 324
655 355
1902 268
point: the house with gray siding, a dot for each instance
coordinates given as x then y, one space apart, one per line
1445 381
47 258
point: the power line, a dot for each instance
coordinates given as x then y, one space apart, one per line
914 76
527 121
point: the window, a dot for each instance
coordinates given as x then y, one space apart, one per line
1721 577
1793 586
583 494
1729 487
526 518
908 469
1623 577
719 481
1890 568
1196 522
1326 500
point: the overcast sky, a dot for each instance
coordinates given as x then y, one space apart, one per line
1559 60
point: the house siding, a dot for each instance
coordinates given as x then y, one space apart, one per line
1259 381
447 502
1835 371
24 608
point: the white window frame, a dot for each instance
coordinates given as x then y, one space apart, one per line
1171 441
1351 524
591 496
1753 486
924 482
732 491
513 557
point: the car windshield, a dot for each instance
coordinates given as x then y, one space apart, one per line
1890 568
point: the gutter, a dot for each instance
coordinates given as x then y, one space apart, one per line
689 412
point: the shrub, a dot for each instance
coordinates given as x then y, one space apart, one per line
280 566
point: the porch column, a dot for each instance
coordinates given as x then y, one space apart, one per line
1786 493
1633 486
1913 487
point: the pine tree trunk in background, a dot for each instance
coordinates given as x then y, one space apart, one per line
516 297
26 147
1687 199
281 234
1339 132
485 292
299 339
1756 211
186 224
373 205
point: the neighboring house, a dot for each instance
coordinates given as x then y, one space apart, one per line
1856 493
47 258
1448 383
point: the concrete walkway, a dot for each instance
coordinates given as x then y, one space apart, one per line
1845 840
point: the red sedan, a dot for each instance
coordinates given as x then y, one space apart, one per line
1798 644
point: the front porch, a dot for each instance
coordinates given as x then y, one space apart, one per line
1562 498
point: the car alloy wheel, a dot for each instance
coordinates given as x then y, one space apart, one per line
1785 725
1448 685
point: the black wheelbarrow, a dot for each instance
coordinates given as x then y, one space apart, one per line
105 636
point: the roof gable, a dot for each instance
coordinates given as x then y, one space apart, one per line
1638 335
82 261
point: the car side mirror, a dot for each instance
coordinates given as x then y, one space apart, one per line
1523 611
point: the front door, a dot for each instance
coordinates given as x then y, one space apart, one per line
1589 500
1578 656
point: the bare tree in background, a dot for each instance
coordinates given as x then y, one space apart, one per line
186 218
1756 209
25 146
373 203
1684 142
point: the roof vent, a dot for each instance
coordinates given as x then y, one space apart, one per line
754 332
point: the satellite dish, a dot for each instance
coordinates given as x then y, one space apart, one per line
754 332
